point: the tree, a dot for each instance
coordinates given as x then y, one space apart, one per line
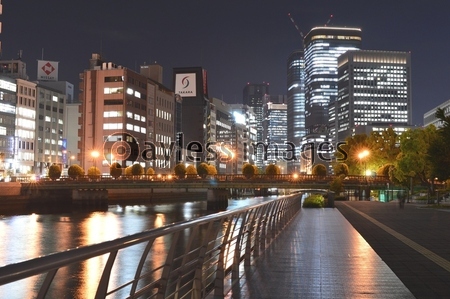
413 160
248 170
439 151
352 147
54 172
202 170
180 170
212 170
150 171
384 147
75 171
340 169
191 171
272 169
337 184
137 169
115 170
319 169
94 172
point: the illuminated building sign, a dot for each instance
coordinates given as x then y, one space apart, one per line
185 85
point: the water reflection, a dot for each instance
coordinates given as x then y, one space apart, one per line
29 236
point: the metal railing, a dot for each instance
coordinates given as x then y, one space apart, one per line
192 259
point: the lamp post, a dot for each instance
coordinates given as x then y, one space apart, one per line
72 157
95 155
363 155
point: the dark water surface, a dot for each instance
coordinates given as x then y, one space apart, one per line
24 237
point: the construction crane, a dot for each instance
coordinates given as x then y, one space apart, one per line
298 29
329 20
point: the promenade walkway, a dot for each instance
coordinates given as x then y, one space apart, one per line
321 255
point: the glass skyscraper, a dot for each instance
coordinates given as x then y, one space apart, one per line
295 104
323 46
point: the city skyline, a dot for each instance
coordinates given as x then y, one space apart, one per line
235 43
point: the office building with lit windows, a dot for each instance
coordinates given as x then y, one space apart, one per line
295 105
257 96
323 46
374 92
276 134
123 115
429 118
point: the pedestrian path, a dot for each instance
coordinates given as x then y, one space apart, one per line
320 255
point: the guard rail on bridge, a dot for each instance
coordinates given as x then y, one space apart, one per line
286 181
191 259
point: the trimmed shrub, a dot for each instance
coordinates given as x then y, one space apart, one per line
212 170
75 171
272 169
94 172
54 172
180 170
202 170
248 170
137 169
319 169
150 171
314 201
115 170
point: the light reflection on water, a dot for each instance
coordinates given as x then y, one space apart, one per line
28 236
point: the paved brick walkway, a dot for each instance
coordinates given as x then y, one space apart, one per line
320 255
414 242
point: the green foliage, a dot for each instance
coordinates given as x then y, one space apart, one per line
150 171
75 171
314 201
128 171
94 172
115 170
413 161
272 169
319 169
191 170
180 170
385 170
439 151
54 172
202 169
341 169
337 185
212 170
137 169
248 170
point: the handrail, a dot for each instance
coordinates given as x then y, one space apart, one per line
201 256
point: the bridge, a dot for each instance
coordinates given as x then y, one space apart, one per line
281 181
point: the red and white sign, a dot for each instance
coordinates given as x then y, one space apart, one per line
47 70
185 85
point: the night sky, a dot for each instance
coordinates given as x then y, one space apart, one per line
236 41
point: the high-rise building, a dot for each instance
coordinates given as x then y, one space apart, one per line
191 85
257 96
323 46
295 105
374 92
275 123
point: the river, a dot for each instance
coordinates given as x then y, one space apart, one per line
25 237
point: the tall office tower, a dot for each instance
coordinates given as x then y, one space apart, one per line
295 106
275 123
374 92
191 85
323 46
123 113
257 96
246 128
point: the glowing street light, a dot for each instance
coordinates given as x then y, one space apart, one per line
95 155
362 155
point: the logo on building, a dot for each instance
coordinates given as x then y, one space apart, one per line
47 70
185 85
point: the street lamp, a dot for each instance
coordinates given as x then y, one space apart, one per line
363 155
71 160
95 155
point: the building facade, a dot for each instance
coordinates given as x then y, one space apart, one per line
429 118
257 96
323 46
374 92
296 128
8 145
